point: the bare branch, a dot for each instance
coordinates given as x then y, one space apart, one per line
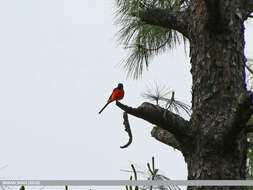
154 114
176 20
127 129
165 137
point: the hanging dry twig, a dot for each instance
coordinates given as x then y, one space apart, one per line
127 129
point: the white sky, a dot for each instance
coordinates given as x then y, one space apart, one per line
59 63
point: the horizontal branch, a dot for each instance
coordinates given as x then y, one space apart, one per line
165 137
175 20
158 116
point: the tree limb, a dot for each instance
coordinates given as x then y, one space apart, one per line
127 129
155 115
165 137
176 20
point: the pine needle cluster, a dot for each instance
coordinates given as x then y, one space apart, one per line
144 40
161 93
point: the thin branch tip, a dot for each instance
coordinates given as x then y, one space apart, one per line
127 129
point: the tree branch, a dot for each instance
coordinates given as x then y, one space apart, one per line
165 137
175 20
241 115
155 115
127 129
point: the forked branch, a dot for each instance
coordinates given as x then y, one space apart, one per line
155 114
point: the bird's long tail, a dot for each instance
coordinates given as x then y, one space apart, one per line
104 107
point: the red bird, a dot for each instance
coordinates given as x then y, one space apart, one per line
117 94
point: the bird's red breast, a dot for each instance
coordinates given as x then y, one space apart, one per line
117 94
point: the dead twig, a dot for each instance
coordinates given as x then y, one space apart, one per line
127 129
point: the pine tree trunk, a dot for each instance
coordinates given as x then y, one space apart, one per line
217 58
214 141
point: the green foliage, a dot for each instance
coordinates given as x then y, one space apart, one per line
161 93
144 40
131 178
153 175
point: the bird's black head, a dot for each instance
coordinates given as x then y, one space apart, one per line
120 86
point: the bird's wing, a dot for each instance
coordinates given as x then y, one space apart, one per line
112 94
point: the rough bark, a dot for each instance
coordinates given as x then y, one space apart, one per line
246 9
217 58
214 141
165 137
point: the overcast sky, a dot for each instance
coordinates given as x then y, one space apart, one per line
59 62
